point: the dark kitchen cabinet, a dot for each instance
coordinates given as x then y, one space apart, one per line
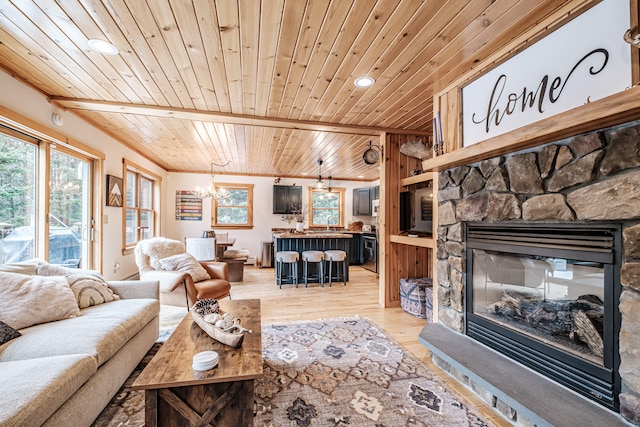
374 192
286 198
355 250
361 201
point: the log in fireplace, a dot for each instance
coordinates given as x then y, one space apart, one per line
547 295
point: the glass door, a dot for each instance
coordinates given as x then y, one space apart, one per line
69 225
18 200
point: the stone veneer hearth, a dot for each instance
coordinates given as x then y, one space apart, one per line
591 177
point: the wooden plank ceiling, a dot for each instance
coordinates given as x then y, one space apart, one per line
266 85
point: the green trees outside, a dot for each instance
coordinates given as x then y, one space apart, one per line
17 181
235 208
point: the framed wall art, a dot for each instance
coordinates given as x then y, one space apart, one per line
114 191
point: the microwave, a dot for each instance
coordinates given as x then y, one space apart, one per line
375 207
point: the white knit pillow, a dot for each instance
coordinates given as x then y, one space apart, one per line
90 290
187 263
30 300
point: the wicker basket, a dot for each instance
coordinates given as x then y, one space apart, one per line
208 306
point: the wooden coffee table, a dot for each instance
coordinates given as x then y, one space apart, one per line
177 395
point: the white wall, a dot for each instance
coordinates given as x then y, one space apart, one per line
27 102
263 218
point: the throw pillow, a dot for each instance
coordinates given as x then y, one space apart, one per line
29 300
7 333
90 290
187 263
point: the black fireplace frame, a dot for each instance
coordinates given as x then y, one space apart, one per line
595 242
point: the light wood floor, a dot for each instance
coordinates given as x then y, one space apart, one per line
358 298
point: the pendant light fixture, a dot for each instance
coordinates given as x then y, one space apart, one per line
320 184
213 191
330 194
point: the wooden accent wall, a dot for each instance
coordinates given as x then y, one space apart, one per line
397 260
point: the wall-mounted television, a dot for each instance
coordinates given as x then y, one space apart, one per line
416 211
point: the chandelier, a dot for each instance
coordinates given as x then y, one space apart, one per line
212 191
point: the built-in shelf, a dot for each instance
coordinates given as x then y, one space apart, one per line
425 242
426 176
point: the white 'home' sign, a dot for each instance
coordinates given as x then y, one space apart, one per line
585 60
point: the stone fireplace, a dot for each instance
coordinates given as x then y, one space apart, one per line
589 182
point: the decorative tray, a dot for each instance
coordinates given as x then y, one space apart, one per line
221 326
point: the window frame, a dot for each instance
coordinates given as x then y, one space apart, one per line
341 212
45 143
140 174
249 207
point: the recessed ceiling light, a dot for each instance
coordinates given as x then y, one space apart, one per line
103 47
364 81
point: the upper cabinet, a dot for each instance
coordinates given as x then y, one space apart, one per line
286 198
362 198
361 201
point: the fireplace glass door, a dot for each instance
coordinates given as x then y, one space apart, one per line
554 300
546 295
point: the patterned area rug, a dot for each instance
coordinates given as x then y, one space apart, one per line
339 372
349 373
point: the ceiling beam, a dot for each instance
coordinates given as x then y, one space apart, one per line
220 117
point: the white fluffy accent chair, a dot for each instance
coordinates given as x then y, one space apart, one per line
156 260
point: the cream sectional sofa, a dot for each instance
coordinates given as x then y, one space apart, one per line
64 372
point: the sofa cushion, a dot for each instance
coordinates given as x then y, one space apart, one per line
7 333
46 269
90 290
34 389
24 267
99 331
30 300
187 263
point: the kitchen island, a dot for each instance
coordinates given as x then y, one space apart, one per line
312 241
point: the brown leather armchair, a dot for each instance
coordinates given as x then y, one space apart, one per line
178 287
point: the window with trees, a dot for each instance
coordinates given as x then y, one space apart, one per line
46 206
141 204
326 208
235 211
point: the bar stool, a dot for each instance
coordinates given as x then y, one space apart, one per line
337 256
316 257
291 258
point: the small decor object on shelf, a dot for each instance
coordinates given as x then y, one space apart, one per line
221 326
416 149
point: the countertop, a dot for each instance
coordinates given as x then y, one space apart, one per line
316 235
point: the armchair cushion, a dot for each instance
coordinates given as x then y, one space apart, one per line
187 263
158 248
